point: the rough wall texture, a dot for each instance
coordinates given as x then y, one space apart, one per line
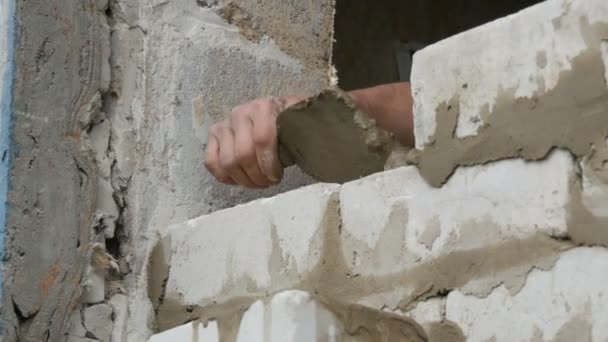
52 175
502 223
7 51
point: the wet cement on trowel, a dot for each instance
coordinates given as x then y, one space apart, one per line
331 140
505 262
573 115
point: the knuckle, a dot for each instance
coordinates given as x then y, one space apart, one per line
213 130
217 128
238 112
246 156
229 164
263 137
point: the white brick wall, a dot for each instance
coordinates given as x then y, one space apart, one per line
524 53
396 226
488 254
289 316
567 303
250 249
487 212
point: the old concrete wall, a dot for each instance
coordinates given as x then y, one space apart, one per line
7 51
52 176
500 224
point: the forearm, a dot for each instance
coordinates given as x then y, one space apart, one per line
391 105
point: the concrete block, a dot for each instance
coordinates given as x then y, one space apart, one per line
488 93
98 321
567 303
75 327
259 247
412 238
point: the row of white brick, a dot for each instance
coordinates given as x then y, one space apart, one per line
566 303
380 240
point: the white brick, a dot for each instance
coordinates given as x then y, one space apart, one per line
250 249
428 311
289 316
387 217
392 223
525 52
293 316
297 316
191 332
567 303
595 187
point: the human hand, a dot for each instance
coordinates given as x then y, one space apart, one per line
242 149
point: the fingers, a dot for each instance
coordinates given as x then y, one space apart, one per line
264 137
212 161
245 150
228 161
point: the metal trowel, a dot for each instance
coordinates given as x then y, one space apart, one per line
330 139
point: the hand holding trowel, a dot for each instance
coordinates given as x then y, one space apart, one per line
330 139
329 136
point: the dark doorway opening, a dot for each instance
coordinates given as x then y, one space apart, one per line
375 39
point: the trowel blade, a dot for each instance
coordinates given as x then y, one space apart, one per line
331 140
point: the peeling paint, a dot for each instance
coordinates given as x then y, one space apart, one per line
7 49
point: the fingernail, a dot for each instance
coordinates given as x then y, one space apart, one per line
267 162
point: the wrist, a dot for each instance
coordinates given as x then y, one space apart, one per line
362 101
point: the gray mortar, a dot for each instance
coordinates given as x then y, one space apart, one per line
330 140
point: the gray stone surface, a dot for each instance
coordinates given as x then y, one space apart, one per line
98 321
52 176
75 327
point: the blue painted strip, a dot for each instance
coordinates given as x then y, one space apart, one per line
7 75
